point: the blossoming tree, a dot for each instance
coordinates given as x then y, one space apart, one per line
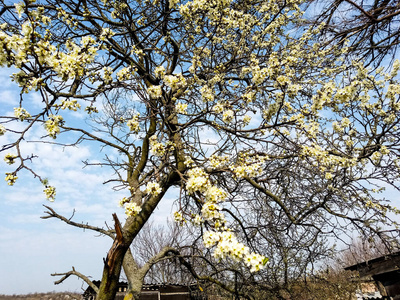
225 101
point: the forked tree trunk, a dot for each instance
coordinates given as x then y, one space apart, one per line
124 237
110 278
133 293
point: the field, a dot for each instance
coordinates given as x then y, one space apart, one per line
43 296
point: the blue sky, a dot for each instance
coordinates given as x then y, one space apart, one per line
32 248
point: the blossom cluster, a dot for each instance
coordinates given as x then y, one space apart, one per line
198 181
189 162
107 74
91 109
11 178
218 108
246 120
70 105
73 63
175 82
2 130
157 148
212 212
153 188
106 33
228 116
197 220
50 192
159 72
10 158
217 161
181 108
52 125
125 73
248 165
21 113
123 201
225 241
155 91
132 209
324 161
214 194
207 93
133 123
178 217
227 245
68 64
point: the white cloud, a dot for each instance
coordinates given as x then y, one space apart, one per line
8 98
5 74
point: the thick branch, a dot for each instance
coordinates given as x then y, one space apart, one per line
156 258
274 197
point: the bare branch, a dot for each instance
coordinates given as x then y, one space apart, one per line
51 213
76 273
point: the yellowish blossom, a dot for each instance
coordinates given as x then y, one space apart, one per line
133 124
52 125
11 178
178 217
132 209
228 116
181 108
157 148
50 192
218 108
246 120
155 91
91 109
21 113
10 158
159 72
175 82
197 181
153 188
70 105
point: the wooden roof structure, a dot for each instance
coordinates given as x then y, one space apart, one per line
155 292
385 271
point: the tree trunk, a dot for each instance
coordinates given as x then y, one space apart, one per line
110 280
134 275
124 237
135 287
112 265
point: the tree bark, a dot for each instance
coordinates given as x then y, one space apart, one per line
112 265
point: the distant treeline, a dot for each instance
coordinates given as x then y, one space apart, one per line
43 296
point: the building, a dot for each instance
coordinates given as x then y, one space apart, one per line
385 271
155 292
